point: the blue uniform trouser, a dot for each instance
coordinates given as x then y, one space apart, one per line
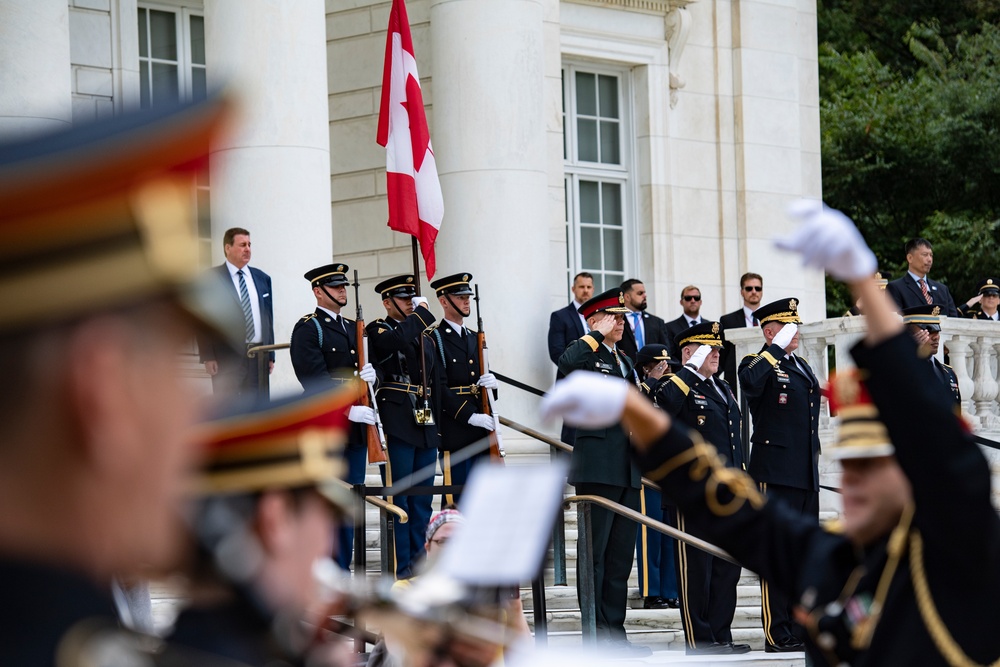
457 474
357 460
405 459
654 552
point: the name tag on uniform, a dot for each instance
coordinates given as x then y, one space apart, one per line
782 375
782 399
700 400
603 367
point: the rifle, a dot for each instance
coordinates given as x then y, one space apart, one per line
489 407
376 436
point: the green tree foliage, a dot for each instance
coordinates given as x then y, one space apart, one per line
911 145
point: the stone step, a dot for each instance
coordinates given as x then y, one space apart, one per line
568 620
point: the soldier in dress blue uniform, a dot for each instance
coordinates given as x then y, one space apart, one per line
924 322
324 349
784 397
601 466
707 404
100 303
463 422
410 421
986 304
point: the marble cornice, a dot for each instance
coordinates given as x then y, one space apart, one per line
658 6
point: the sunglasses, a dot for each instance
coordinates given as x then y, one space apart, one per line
692 297
753 288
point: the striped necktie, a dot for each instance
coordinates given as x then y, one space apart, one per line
247 310
927 294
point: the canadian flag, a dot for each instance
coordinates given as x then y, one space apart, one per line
416 206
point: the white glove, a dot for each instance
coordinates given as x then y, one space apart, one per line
699 356
361 414
418 301
367 373
488 380
586 400
482 421
785 335
827 239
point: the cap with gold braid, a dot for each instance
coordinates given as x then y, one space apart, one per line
655 353
286 444
457 284
861 433
332 275
611 301
926 317
101 216
706 333
401 286
783 310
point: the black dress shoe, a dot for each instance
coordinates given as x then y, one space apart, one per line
739 648
786 645
673 603
654 602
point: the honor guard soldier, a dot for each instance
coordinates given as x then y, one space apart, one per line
269 496
705 403
462 421
100 303
407 404
601 466
324 345
924 322
783 394
909 574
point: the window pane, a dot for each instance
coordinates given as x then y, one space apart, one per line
590 248
611 194
163 34
165 86
586 139
199 87
586 94
608 93
614 279
609 143
143 44
614 258
590 206
198 40
143 84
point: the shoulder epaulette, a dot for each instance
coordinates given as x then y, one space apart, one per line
306 318
756 358
681 384
834 526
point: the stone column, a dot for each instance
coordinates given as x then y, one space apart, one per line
489 135
271 175
35 90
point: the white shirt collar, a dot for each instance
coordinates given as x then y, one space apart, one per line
330 312
233 269
915 277
454 325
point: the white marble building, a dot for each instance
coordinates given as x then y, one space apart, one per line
658 139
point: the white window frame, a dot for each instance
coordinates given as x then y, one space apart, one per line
182 25
623 173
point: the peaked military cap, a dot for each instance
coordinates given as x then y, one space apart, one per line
989 286
401 286
288 444
706 333
611 301
457 284
882 279
926 317
861 434
100 216
333 275
783 310
655 352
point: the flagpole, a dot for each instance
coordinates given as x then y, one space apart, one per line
416 263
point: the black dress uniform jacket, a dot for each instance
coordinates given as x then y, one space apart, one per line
784 402
696 403
316 363
458 372
956 561
599 455
946 376
394 348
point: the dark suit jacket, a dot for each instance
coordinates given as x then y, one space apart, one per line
674 327
213 349
784 402
600 456
654 328
907 294
565 326
727 362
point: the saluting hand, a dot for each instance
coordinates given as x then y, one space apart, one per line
828 240
604 323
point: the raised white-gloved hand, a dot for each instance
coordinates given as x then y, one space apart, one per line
361 414
785 335
586 400
482 421
367 373
827 239
699 356
488 380
418 301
